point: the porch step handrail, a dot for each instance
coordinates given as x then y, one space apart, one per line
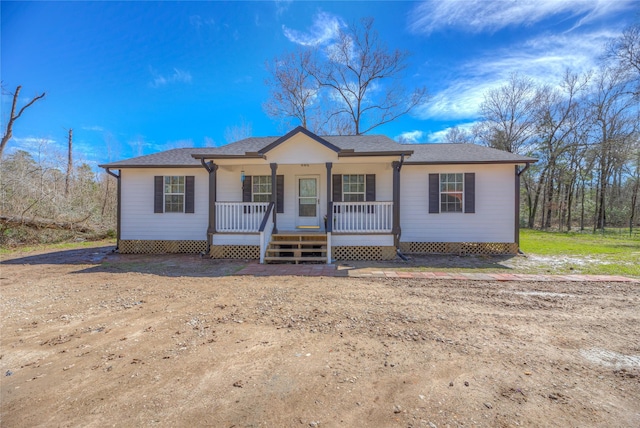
363 217
266 229
240 216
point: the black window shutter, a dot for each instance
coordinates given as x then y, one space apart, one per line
470 192
280 193
189 198
337 188
158 194
370 185
434 193
246 189
246 192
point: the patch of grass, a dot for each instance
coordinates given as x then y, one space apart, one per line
576 243
612 253
57 246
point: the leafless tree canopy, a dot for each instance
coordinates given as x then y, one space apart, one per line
625 52
349 87
294 90
508 114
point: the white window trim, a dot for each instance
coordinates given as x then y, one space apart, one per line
451 192
364 187
253 194
165 193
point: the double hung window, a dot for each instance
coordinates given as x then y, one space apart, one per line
174 194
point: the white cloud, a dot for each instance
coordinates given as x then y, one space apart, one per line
543 58
32 140
282 6
93 128
198 22
36 146
479 16
438 136
410 137
324 30
178 76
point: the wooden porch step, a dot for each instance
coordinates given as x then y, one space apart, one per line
299 247
297 250
298 243
295 259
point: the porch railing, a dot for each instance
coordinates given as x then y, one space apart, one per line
266 229
240 216
362 217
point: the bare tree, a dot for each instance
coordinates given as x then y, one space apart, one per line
558 120
350 87
8 133
456 135
294 90
509 115
238 132
614 125
624 51
365 79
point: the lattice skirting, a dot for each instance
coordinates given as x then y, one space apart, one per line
135 246
247 252
363 252
462 248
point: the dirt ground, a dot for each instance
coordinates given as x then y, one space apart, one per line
92 339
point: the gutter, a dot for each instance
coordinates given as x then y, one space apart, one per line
119 207
211 170
396 204
351 153
526 167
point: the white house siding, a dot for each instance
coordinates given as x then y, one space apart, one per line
493 220
301 149
141 223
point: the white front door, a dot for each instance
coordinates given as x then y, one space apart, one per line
308 201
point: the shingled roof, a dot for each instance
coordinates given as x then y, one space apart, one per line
350 144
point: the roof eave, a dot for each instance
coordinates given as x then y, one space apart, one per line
512 162
351 153
248 155
115 166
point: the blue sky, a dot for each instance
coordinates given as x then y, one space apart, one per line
135 78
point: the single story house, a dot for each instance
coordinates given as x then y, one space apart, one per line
305 197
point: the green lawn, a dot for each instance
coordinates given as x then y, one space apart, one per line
611 253
57 246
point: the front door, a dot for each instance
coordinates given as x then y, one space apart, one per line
308 198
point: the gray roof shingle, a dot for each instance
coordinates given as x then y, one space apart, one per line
460 153
422 153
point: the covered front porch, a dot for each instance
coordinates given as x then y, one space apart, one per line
350 230
303 184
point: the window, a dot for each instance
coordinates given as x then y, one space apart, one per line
174 194
353 188
451 193
261 188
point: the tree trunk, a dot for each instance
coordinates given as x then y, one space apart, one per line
69 164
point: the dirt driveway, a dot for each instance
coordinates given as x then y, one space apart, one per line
92 339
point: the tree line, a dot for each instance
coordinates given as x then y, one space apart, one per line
585 132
